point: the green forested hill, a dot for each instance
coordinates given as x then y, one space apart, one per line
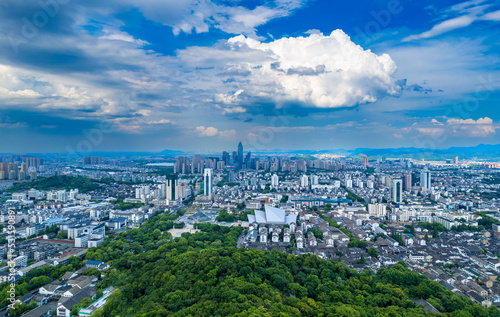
203 274
83 184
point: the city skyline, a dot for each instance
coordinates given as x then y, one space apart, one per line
146 77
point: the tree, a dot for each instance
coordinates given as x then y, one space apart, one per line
62 235
362 260
373 252
435 233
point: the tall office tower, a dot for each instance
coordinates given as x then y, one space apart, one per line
172 183
304 181
240 155
397 190
366 160
455 160
425 179
234 158
275 180
196 164
247 159
225 158
407 183
207 188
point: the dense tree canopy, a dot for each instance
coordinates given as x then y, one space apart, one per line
83 184
204 274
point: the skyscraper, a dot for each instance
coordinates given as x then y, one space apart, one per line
196 166
240 155
408 181
225 158
397 190
207 188
455 160
172 184
425 179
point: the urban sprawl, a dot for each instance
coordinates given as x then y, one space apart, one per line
442 218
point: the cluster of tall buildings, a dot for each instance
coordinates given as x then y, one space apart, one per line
92 160
19 168
236 160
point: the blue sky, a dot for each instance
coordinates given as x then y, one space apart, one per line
285 74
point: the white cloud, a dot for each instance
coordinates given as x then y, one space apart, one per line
318 71
468 12
480 128
479 121
234 110
198 16
211 131
208 131
25 93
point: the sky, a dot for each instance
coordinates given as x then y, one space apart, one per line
202 75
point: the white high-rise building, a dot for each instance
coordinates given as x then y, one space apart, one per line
425 179
348 183
314 180
304 181
207 180
275 180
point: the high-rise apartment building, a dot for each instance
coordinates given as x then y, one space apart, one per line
275 180
408 181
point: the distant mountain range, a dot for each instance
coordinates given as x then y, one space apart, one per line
475 150
484 151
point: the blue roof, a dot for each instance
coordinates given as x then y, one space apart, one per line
54 220
93 262
341 219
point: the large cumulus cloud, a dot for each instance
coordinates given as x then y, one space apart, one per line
325 71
